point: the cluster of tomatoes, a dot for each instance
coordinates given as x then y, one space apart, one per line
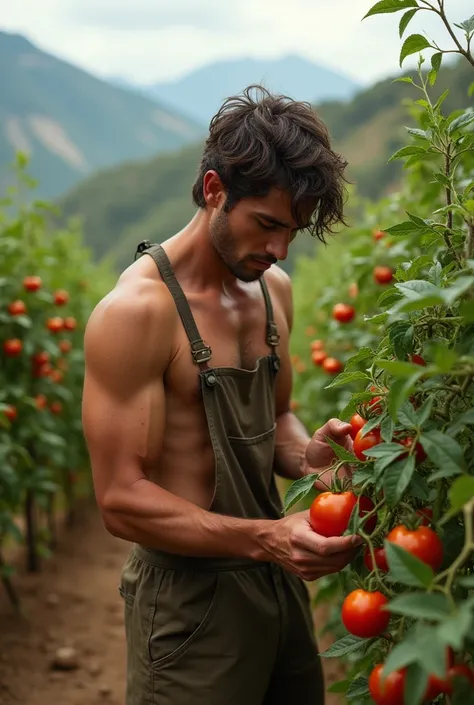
364 612
41 364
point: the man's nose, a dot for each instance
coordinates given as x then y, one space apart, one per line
278 246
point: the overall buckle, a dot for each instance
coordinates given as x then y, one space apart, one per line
200 352
273 337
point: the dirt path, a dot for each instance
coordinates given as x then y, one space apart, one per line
74 604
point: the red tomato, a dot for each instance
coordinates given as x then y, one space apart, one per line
378 234
11 413
353 290
417 360
17 308
56 376
344 313
41 401
65 346
420 454
318 357
383 275
380 559
362 613
32 283
461 671
356 422
56 407
389 690
371 439
332 366
317 345
365 507
61 297
330 512
12 347
70 323
421 542
437 686
41 358
426 515
55 324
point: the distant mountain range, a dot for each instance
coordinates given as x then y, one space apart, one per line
73 124
200 92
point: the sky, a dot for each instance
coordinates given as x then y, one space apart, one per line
148 41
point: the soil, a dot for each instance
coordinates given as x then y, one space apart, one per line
72 610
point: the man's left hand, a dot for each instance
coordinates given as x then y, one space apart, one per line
319 454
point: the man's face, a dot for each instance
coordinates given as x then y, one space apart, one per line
254 235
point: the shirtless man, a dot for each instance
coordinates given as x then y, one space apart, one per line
187 419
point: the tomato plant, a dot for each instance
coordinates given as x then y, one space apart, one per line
407 387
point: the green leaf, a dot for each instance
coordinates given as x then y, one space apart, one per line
347 645
353 403
299 489
415 684
406 568
346 378
397 478
464 419
339 687
444 451
400 390
416 132
424 412
412 45
453 630
360 356
407 152
387 6
405 228
405 21
436 60
397 368
387 428
408 416
340 452
421 605
389 451
418 288
461 121
467 25
401 336
402 654
358 688
369 426
418 488
460 286
461 492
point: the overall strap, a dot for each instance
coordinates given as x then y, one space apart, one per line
200 352
273 337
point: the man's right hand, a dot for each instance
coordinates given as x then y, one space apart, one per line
294 545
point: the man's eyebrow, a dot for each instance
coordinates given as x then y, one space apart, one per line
281 223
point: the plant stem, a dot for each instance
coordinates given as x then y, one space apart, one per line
461 49
468 548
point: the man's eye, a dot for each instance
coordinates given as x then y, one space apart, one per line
266 227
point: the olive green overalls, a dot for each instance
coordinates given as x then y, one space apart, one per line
223 631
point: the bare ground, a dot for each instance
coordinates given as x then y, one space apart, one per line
73 603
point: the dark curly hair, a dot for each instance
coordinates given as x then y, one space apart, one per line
257 144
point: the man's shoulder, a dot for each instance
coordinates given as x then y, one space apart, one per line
279 285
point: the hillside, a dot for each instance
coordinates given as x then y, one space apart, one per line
200 92
153 199
72 123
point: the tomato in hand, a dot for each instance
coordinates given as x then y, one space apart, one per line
380 559
356 421
362 613
330 512
361 443
421 542
388 690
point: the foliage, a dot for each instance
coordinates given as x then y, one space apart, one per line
48 286
408 369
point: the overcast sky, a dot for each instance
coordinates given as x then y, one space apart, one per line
154 40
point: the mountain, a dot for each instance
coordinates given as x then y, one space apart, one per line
200 92
71 123
152 200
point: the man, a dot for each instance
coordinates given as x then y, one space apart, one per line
187 419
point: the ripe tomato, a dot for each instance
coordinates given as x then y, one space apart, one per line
356 421
389 690
437 686
378 234
426 515
371 439
461 671
417 360
32 283
362 613
11 413
330 512
380 559
344 313
61 297
41 401
12 347
317 345
420 454
40 358
365 507
332 366
421 542
318 357
70 323
56 407
56 376
353 290
17 308
65 346
383 275
55 324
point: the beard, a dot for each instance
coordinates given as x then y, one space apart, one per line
226 245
